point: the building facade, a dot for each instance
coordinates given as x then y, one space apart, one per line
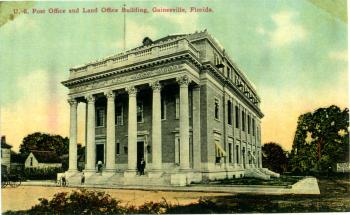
179 102
42 160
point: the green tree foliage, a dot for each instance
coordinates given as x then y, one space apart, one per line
44 142
274 157
321 139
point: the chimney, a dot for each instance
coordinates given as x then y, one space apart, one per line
3 139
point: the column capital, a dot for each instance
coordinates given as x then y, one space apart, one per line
132 91
90 98
156 86
72 101
109 94
183 80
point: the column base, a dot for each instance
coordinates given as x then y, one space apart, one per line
130 174
71 172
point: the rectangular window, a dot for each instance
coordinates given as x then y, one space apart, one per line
243 121
229 112
237 116
190 104
31 161
139 111
237 154
177 149
253 126
216 109
230 152
119 115
117 148
248 124
163 108
100 118
177 107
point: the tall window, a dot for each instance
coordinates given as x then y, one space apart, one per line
177 107
229 112
31 161
100 118
216 109
248 124
237 116
237 154
253 126
243 121
139 111
119 115
163 108
230 152
118 148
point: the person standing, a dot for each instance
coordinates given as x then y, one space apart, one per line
142 166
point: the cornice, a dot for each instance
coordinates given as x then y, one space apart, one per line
132 67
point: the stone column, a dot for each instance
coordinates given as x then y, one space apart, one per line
260 159
156 127
90 142
196 128
73 135
132 132
110 137
184 123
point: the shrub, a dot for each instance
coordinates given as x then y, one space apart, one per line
41 174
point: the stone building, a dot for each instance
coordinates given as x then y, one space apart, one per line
179 102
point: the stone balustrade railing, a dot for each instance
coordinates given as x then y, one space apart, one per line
135 56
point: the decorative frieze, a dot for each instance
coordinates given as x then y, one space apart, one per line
90 98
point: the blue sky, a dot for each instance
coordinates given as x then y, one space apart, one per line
294 52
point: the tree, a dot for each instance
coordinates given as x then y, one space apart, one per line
274 157
321 139
44 142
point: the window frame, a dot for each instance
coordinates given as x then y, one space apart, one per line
121 114
217 109
142 111
100 110
163 107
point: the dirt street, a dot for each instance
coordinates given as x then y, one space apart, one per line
24 197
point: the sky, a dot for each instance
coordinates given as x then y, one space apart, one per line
294 51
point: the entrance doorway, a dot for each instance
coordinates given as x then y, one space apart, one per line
100 152
140 153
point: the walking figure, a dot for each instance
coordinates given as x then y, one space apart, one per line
99 167
63 180
142 166
82 179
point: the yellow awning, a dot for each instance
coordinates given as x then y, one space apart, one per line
219 150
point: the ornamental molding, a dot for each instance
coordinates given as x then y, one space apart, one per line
156 86
126 78
72 102
110 94
90 98
131 90
183 80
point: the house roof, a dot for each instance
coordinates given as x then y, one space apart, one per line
46 156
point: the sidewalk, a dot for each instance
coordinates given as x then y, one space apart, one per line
305 186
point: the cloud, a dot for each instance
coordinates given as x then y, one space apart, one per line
286 29
341 55
38 109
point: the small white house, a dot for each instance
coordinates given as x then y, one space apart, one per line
42 159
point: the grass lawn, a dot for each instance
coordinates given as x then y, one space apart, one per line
334 197
281 181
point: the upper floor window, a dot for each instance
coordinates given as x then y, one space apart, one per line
119 115
216 109
163 108
229 112
237 116
100 118
243 121
139 111
117 150
253 126
31 161
248 124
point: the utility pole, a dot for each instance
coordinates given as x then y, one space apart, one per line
124 44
